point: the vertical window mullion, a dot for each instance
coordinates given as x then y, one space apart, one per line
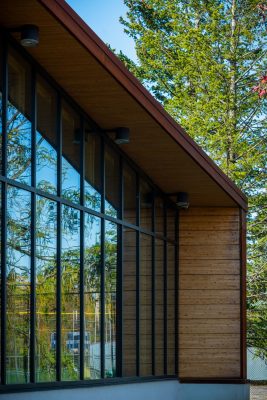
165 293
119 286
82 336
58 290
33 229
137 277
153 287
3 212
176 277
102 296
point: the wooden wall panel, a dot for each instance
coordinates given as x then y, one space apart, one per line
209 293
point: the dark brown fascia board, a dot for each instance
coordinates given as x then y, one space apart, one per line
60 10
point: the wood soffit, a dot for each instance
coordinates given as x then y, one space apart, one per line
96 79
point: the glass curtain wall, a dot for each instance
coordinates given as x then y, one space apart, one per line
87 245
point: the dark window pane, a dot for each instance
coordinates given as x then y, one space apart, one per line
92 282
171 309
71 142
18 285
159 216
145 305
92 183
129 184
159 310
171 215
146 201
111 243
70 301
112 182
129 302
46 272
18 123
46 155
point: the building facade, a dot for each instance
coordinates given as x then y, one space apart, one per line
106 278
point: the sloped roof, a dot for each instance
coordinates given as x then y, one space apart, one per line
97 80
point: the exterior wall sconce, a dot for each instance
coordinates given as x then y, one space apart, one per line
182 200
29 35
122 135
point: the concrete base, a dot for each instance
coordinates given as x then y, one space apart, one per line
161 390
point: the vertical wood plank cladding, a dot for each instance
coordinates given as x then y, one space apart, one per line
211 249
243 285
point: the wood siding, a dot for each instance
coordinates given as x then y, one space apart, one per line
209 295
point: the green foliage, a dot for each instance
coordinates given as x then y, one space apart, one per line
201 60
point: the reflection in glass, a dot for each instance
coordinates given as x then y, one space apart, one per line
171 214
71 142
112 182
70 302
18 285
129 194
145 305
146 202
46 155
171 309
92 183
159 310
129 302
46 242
159 216
92 283
18 124
111 243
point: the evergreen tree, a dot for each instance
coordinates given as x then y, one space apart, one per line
202 60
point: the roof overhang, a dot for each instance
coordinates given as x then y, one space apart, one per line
95 78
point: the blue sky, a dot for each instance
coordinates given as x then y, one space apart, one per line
103 17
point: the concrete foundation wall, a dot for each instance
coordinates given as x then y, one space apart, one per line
166 390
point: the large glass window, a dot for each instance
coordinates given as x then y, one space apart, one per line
70 289
89 286
46 154
46 273
18 119
92 297
18 276
92 183
111 249
112 179
71 154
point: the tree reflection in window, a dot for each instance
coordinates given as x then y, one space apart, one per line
46 155
18 124
70 300
92 284
92 182
71 142
46 242
18 285
111 240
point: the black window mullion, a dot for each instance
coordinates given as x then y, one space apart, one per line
59 241
82 158
176 277
4 211
137 277
165 295
33 229
102 296
153 288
